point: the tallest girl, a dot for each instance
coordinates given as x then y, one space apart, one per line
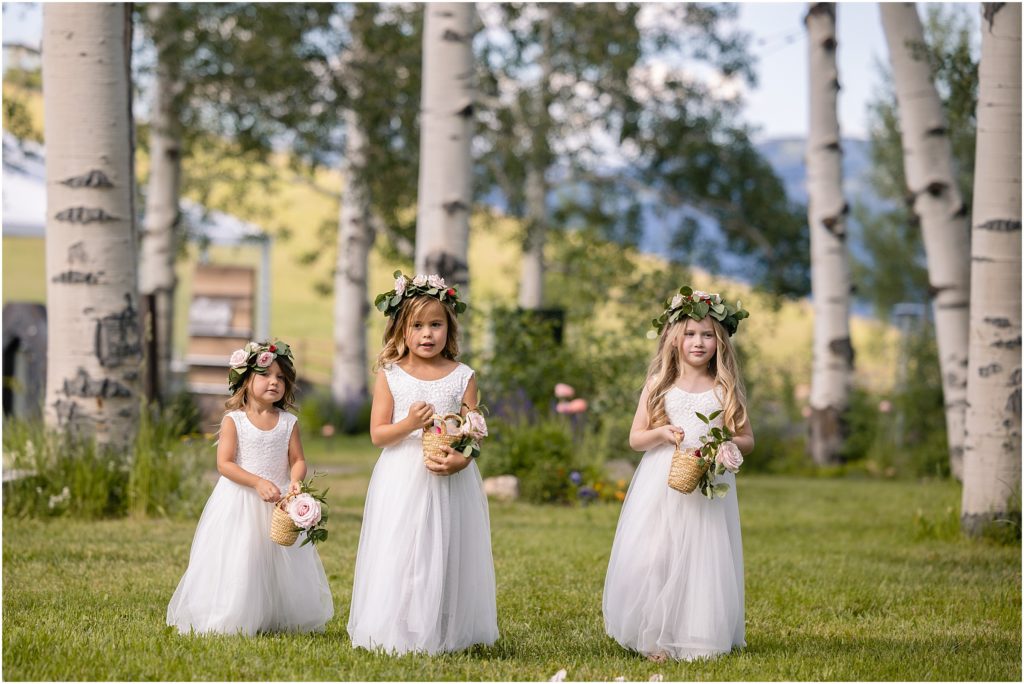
424 578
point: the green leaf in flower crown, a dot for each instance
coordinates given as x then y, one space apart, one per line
685 290
396 300
396 274
700 309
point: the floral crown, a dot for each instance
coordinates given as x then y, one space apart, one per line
390 302
697 305
255 357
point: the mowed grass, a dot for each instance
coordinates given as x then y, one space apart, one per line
845 580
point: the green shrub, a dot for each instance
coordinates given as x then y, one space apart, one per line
317 410
539 453
49 473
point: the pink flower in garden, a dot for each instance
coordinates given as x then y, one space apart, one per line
576 406
563 391
885 406
562 407
265 359
729 456
327 430
238 358
304 511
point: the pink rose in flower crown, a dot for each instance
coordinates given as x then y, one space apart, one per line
265 359
729 456
238 358
420 280
564 391
436 281
304 511
399 285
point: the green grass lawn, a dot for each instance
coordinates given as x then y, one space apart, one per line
845 579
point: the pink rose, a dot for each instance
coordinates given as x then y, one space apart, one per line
563 391
562 407
729 456
238 358
399 285
304 511
676 301
436 281
265 359
576 406
475 425
419 281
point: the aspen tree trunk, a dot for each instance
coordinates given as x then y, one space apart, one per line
531 283
446 130
832 363
92 292
931 181
992 466
351 300
159 236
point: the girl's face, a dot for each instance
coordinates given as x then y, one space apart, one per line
427 332
268 387
698 343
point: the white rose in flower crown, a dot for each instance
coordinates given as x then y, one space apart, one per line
729 456
238 358
676 301
436 281
700 295
399 285
304 511
420 280
265 359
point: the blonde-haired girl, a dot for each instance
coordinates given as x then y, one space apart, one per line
424 578
674 587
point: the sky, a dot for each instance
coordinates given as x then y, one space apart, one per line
777 105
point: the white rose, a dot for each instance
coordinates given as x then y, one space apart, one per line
436 281
729 456
419 281
238 358
399 285
700 294
676 301
475 426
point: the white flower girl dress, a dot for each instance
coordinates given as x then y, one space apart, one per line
424 577
238 580
675 577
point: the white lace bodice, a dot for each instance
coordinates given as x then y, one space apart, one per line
445 394
682 408
264 452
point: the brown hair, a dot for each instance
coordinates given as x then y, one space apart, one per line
240 399
664 370
394 331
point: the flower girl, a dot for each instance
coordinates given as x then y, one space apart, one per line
238 580
424 577
674 587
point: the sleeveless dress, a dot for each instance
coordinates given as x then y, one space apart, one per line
238 581
675 577
424 577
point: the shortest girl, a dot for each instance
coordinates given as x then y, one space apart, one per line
238 580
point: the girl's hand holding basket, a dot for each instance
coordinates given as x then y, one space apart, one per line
304 510
453 433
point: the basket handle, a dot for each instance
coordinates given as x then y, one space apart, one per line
444 418
283 500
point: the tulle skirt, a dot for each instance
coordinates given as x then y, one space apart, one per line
424 577
238 581
675 577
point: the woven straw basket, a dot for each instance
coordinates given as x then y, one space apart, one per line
686 470
433 441
282 530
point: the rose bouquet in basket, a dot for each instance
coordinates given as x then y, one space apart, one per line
696 468
302 512
461 433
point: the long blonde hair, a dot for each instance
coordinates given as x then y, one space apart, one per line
394 332
664 369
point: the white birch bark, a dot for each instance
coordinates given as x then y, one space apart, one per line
351 303
931 181
832 362
446 129
158 238
92 291
992 465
